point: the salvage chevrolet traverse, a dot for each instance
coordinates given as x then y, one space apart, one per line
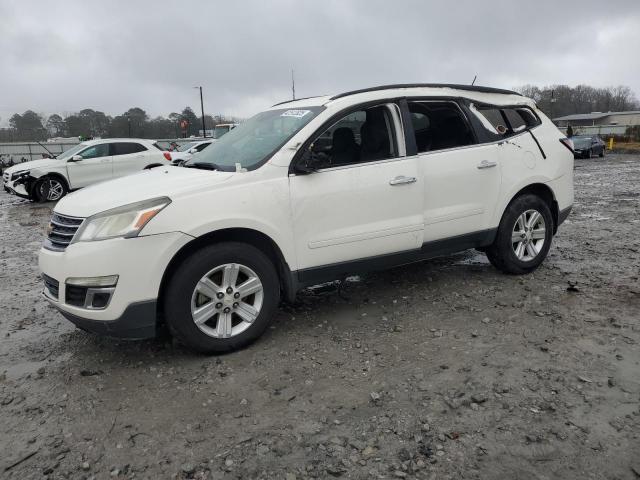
309 191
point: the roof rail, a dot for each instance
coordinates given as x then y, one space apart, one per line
470 88
294 100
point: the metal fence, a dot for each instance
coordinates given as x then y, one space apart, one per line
26 151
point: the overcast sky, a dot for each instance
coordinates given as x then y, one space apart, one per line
60 57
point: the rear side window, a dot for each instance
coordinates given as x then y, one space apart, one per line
202 146
439 125
502 122
516 122
492 119
126 148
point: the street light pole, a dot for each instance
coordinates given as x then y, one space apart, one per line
204 131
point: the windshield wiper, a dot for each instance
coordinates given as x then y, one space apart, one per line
203 166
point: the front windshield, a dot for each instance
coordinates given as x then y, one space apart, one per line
71 152
254 141
581 140
187 146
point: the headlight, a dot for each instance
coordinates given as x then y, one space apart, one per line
126 221
17 175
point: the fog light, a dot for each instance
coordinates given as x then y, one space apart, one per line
109 281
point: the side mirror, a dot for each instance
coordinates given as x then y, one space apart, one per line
193 150
76 158
306 163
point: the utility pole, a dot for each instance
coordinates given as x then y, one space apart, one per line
293 85
204 131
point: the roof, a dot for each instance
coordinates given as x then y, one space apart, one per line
427 89
595 115
102 140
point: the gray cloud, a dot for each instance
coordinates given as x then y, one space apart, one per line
64 56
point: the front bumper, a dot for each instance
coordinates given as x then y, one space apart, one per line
139 263
138 321
16 189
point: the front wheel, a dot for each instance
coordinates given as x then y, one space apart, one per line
524 236
602 153
49 189
222 297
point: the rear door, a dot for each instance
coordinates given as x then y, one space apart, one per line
365 199
128 157
461 177
94 167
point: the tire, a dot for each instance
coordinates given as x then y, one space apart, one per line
601 155
223 323
502 253
49 189
588 154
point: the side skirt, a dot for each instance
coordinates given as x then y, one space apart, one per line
437 248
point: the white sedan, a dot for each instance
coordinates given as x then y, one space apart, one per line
188 150
84 164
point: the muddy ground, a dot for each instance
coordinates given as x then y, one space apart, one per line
444 369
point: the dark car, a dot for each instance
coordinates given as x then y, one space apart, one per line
584 146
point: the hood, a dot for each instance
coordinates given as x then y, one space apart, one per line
45 163
169 182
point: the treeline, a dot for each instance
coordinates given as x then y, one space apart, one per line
554 100
135 122
560 100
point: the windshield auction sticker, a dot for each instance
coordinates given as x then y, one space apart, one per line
295 113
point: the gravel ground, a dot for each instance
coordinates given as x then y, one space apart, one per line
444 369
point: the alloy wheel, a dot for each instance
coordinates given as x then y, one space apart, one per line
51 189
528 235
227 300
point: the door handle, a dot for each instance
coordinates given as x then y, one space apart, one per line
486 164
402 180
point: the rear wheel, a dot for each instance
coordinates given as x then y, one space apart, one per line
524 236
222 298
49 189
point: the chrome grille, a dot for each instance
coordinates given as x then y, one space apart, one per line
61 231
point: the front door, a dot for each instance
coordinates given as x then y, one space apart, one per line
366 198
94 167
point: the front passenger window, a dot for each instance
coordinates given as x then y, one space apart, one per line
96 151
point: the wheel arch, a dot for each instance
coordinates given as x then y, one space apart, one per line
258 239
56 175
545 193
152 165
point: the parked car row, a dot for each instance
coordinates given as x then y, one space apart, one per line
95 161
305 192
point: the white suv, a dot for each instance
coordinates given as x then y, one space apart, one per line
82 165
305 192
